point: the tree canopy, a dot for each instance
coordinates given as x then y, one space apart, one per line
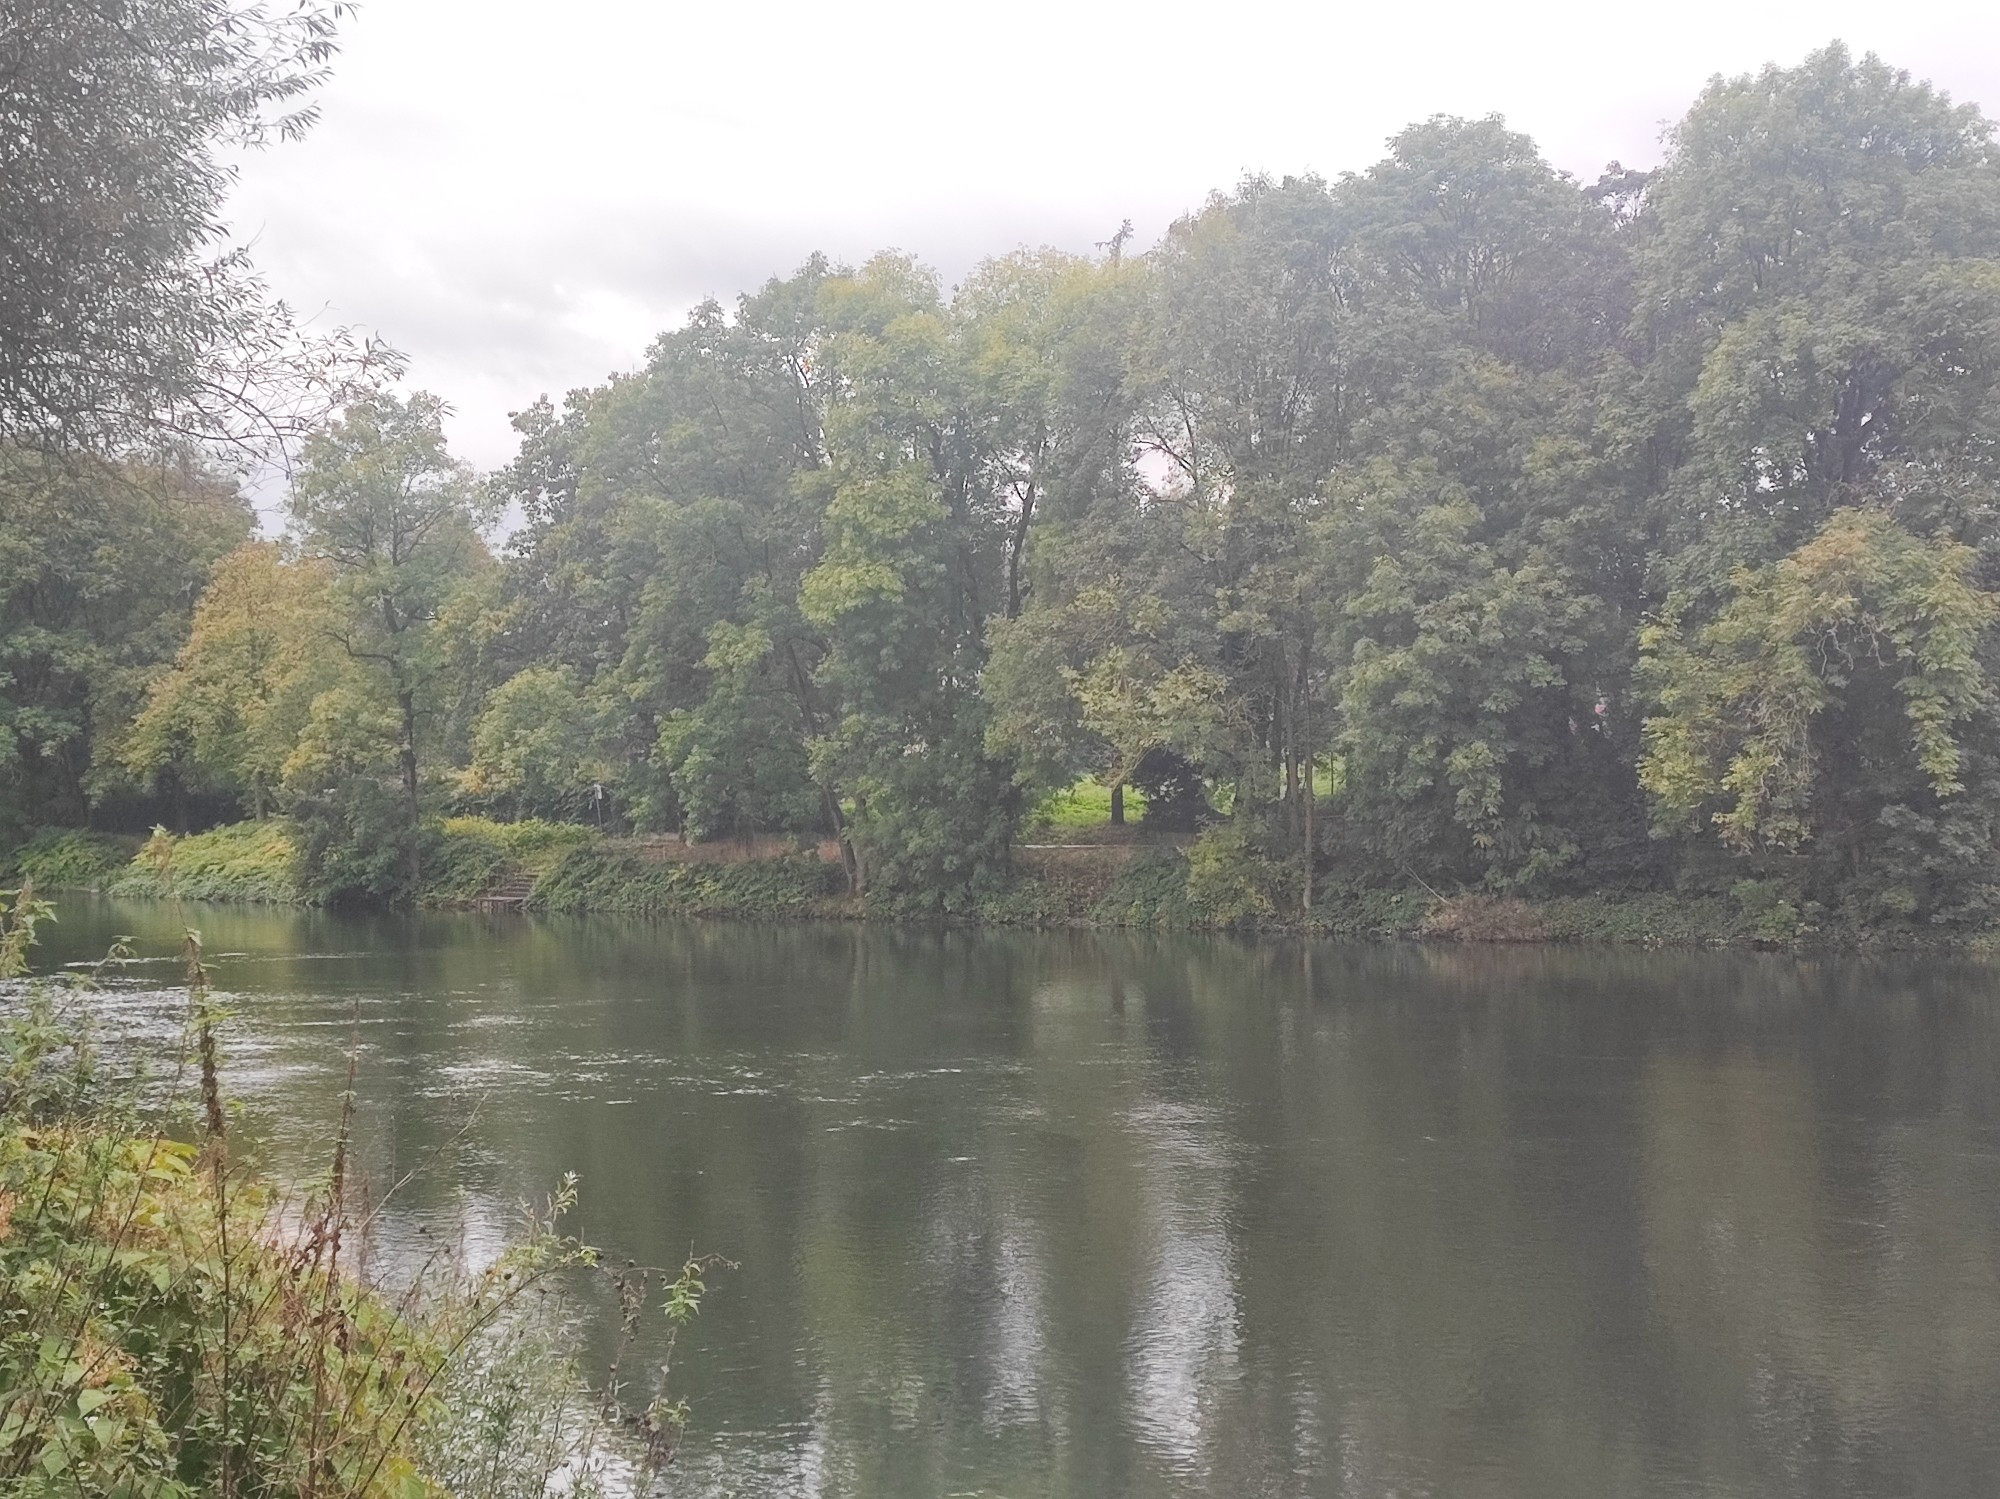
1451 521
127 318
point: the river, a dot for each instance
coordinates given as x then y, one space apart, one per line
1097 1215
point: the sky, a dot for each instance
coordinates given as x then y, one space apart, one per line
522 196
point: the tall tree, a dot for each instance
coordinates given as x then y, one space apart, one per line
126 317
233 711
100 567
381 502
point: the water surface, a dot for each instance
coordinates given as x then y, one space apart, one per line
1105 1216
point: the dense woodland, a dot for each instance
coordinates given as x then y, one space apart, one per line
1451 523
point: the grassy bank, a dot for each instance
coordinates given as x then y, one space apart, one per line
249 861
1176 889
611 878
566 868
1130 882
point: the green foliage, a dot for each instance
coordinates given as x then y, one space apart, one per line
1461 723
62 859
466 854
1151 891
1798 639
99 567
382 505
1230 880
1446 525
1838 697
735 760
534 746
599 877
251 861
20 912
244 704
134 320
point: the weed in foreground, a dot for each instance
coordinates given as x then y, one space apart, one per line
173 1326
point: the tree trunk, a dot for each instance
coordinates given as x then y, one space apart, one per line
850 860
853 850
1312 843
406 700
1017 543
1118 805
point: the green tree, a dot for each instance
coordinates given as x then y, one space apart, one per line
1840 702
100 566
129 320
1818 275
737 761
380 501
535 747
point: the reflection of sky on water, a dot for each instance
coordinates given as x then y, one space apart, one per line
1017 1336
1183 1344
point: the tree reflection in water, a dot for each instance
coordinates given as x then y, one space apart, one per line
1096 1215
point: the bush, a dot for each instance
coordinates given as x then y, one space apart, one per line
253 861
68 858
602 877
1485 918
1148 892
355 844
1773 914
1229 880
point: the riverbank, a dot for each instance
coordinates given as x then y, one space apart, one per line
1133 884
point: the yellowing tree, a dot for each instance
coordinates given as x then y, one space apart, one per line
1832 685
240 694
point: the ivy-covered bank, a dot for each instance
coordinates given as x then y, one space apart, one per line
544 866
1205 883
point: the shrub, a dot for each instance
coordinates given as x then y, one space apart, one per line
1148 892
1484 918
355 844
602 877
68 858
1229 880
254 861
1773 914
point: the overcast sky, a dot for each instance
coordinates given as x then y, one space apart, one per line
522 195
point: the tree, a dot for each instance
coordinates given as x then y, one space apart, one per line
380 501
663 506
535 747
1841 697
100 566
126 319
1467 711
1817 279
235 707
737 761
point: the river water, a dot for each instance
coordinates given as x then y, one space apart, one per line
1099 1215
